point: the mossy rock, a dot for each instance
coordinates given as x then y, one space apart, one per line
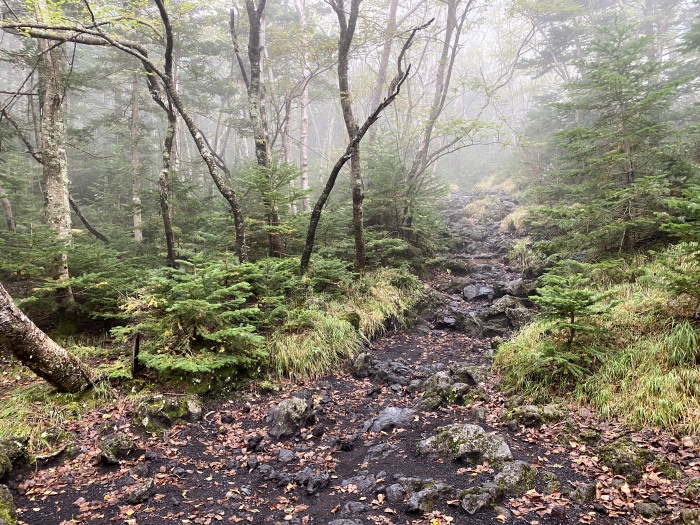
469 443
668 468
692 491
13 450
115 447
159 412
589 436
516 477
690 517
533 415
624 458
8 514
469 374
477 498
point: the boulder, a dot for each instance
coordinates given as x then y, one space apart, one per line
519 317
287 418
361 365
584 494
142 492
648 510
395 493
469 374
533 415
425 499
389 418
469 443
13 450
476 291
624 458
8 514
692 491
116 447
364 481
381 451
352 508
690 517
159 412
516 477
476 498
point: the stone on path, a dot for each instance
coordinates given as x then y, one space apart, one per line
389 418
287 418
8 514
469 443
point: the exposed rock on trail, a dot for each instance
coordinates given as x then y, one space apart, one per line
415 432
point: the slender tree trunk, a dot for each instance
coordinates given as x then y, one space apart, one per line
393 92
347 31
76 209
135 160
53 153
304 111
164 189
450 47
379 86
7 209
38 351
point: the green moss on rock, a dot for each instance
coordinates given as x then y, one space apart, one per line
157 413
624 458
8 515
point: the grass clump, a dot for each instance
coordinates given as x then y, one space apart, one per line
326 331
639 360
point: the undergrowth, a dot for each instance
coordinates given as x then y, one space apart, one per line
640 362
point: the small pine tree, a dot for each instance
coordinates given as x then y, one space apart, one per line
568 301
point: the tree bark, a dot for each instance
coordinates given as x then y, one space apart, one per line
135 160
347 31
53 152
164 189
258 118
304 110
35 349
7 209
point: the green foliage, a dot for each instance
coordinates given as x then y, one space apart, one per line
566 300
679 271
196 318
619 155
641 364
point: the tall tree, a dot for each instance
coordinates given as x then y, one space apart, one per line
348 24
52 97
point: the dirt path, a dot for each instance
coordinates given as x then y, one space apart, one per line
357 459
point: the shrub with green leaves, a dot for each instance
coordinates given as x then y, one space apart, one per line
196 318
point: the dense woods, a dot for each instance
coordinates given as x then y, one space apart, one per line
203 194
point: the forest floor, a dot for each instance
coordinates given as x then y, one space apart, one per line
226 468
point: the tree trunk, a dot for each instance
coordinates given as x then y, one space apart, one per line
135 160
414 179
347 31
383 65
53 152
164 189
7 209
38 351
304 110
393 92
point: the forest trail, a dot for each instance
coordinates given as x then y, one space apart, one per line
363 449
